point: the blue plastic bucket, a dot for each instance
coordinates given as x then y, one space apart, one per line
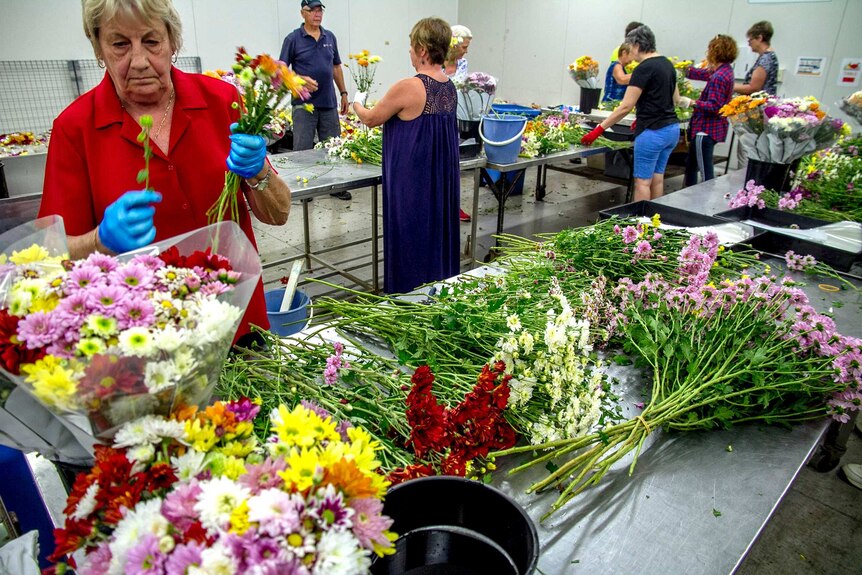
502 137
516 109
288 322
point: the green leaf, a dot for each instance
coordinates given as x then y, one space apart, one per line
142 176
551 466
621 359
716 512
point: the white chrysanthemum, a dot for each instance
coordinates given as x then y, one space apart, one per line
215 560
148 429
513 322
510 345
340 553
160 375
184 361
216 320
169 339
137 341
189 464
526 341
144 519
87 503
141 453
218 498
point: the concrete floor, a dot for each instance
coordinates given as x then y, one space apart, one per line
816 529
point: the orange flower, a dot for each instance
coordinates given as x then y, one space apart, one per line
268 65
363 62
346 476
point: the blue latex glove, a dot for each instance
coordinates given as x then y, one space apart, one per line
128 222
247 153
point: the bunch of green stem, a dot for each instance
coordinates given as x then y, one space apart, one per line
456 333
370 393
598 250
144 138
707 371
366 146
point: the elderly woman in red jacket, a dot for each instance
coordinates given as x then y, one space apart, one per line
94 155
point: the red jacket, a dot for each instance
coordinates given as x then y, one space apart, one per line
94 158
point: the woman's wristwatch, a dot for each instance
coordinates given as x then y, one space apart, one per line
263 183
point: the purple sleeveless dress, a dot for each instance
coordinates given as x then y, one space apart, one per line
421 192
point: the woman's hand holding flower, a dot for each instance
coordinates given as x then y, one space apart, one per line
128 222
247 154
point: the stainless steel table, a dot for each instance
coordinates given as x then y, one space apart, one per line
708 198
326 175
313 173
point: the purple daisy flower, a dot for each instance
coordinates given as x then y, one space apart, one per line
152 263
145 557
369 523
329 509
107 299
104 262
243 409
38 330
179 505
630 234
133 276
263 475
215 288
183 557
135 313
75 304
276 512
98 561
83 277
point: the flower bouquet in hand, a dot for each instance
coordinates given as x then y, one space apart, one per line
474 95
198 493
106 339
364 70
585 72
781 130
265 86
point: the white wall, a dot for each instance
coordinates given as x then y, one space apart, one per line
528 45
52 29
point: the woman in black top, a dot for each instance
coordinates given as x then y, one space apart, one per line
653 89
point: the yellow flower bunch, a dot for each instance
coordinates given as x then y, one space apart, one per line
364 58
741 105
316 453
585 64
216 430
363 75
54 381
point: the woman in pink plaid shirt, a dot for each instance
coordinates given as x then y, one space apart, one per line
707 127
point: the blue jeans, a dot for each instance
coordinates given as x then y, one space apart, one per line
652 150
700 159
322 121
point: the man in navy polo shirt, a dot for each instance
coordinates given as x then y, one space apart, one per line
312 52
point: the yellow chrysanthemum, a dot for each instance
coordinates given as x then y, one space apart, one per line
34 253
239 523
362 448
53 381
656 220
201 437
237 448
380 550
233 467
303 470
303 428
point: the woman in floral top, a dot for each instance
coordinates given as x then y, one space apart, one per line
763 76
707 127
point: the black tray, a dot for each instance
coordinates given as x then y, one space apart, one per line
467 151
669 214
771 217
775 244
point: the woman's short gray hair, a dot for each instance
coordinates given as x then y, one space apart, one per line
461 32
643 38
97 12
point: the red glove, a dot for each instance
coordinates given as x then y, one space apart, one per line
588 139
634 126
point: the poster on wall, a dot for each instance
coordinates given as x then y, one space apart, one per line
810 66
848 75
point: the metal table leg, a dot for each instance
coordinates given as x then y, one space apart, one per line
474 223
375 235
541 181
306 232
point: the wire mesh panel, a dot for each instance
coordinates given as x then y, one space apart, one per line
33 93
89 74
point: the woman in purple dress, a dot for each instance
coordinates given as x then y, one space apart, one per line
421 176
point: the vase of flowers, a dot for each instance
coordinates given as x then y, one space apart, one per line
474 99
585 73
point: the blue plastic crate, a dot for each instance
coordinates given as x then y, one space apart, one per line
515 109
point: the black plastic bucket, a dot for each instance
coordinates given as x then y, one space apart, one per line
772 176
589 99
455 526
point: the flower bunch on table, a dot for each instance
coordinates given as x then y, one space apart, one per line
266 87
364 69
475 93
23 143
585 72
781 130
199 493
720 353
357 142
114 338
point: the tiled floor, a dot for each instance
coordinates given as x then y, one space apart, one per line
817 529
